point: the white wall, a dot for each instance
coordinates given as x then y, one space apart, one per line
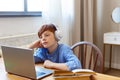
15 26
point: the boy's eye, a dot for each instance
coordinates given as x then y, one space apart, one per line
46 34
40 37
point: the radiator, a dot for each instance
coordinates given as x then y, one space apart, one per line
18 40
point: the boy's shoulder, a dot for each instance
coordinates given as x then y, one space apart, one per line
64 46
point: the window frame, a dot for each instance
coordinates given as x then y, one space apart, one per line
25 13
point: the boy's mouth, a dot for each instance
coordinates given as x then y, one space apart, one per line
44 43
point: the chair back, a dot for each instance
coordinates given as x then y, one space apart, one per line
90 55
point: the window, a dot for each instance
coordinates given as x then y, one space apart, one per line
14 8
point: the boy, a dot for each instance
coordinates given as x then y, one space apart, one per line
53 54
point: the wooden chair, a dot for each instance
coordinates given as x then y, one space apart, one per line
89 55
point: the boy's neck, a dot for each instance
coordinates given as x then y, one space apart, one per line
51 49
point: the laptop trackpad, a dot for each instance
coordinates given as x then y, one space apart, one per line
39 73
42 72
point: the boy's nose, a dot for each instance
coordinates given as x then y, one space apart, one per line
43 38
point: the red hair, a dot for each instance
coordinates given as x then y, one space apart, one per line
45 27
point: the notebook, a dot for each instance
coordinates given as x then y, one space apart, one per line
20 61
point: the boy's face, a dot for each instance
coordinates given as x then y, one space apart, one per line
48 39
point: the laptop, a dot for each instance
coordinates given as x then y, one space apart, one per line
20 61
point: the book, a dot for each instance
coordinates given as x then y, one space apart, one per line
74 72
83 71
83 74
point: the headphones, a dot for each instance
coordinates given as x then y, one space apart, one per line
58 34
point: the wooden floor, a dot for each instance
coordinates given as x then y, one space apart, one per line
114 72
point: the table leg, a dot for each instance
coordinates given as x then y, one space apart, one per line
110 56
103 58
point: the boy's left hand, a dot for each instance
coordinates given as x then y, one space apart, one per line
48 64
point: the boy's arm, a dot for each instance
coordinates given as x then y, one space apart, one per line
35 44
59 66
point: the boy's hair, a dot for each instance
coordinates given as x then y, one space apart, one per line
49 27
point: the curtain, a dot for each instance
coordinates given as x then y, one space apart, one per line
83 21
87 20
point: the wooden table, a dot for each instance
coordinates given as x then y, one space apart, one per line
5 76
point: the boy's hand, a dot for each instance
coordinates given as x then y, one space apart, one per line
36 44
48 64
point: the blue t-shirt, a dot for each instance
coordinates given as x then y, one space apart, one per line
62 54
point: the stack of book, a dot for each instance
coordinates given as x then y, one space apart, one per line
77 74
